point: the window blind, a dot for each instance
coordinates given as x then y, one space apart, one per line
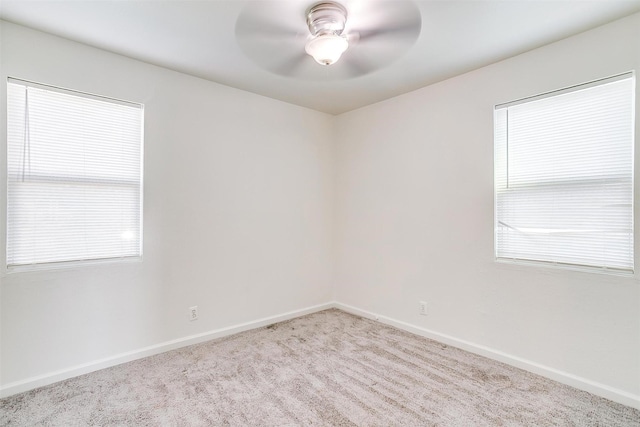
74 165
564 177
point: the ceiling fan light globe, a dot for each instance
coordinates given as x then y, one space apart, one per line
326 49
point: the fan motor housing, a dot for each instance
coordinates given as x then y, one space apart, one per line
326 18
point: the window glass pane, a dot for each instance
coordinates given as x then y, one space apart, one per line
74 176
564 177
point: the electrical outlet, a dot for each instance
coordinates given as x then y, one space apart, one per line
193 313
423 308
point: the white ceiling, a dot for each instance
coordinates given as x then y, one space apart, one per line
199 38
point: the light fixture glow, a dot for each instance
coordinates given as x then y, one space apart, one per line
326 49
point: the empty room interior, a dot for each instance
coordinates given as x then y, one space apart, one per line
299 212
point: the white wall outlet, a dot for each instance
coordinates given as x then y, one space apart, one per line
193 313
423 308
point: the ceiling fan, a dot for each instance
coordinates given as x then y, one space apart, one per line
327 40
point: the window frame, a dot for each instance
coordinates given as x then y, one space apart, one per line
69 180
558 264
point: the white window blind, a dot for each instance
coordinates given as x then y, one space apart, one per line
74 176
564 176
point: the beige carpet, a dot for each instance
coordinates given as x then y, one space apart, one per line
327 368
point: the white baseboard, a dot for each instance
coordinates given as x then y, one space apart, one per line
596 388
63 374
593 387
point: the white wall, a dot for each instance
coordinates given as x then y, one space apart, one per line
415 218
254 208
237 215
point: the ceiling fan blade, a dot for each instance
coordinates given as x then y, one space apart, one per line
356 67
291 66
273 34
394 34
257 23
380 32
393 20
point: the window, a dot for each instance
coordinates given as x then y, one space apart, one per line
564 177
74 166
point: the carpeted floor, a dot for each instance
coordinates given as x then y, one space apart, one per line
324 369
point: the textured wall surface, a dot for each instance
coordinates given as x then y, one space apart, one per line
237 196
414 210
254 208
